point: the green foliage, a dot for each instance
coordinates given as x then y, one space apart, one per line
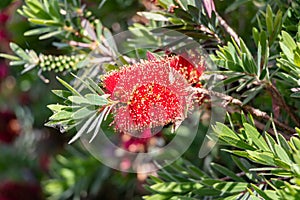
75 176
56 18
270 159
290 62
189 18
85 112
30 60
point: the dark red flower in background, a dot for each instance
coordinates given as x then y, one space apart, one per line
10 190
3 70
9 127
3 18
141 144
150 94
3 35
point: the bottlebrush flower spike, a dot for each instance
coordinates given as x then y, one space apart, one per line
150 94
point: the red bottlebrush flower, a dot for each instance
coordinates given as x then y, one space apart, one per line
9 127
191 70
10 190
188 70
150 94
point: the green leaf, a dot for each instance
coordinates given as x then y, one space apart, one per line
19 51
78 100
286 77
227 135
62 93
204 192
252 94
69 87
296 95
265 158
97 100
226 172
95 86
233 66
256 137
260 192
9 57
175 187
97 123
54 9
197 172
277 26
38 31
82 113
231 187
51 34
155 179
110 40
288 41
158 197
271 142
153 16
17 62
269 19
195 13
99 28
296 142
83 128
255 35
245 49
44 22
183 15
282 154
244 165
62 115
283 143
297 58
231 79
272 194
236 142
56 107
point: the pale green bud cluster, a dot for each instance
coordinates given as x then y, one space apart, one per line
59 63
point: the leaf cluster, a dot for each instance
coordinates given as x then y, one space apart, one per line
269 170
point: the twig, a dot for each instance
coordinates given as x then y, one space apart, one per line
262 126
253 111
208 31
40 75
226 178
277 96
228 29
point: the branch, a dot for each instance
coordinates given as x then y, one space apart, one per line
277 96
255 112
228 29
262 126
